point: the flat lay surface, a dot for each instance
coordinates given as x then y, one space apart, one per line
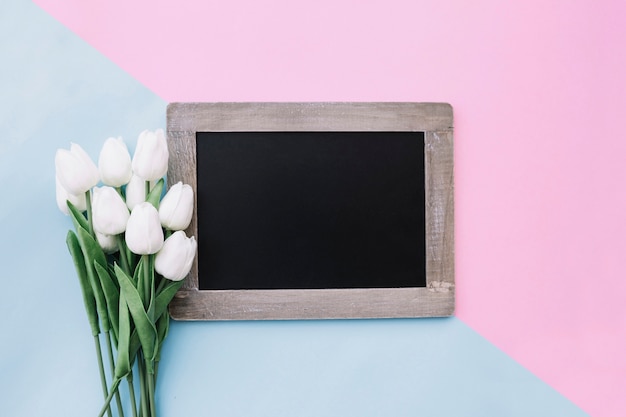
538 94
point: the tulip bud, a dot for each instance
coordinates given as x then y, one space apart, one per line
136 191
175 258
151 155
144 235
110 213
108 243
63 196
76 171
176 208
114 163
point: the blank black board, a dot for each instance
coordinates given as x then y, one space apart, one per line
310 210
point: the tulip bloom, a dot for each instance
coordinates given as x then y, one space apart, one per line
76 171
79 201
135 192
176 208
110 213
108 243
151 155
175 258
144 235
114 163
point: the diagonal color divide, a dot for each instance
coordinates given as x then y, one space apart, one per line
536 88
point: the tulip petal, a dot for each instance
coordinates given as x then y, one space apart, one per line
151 155
108 243
135 191
114 163
62 197
144 235
110 213
76 171
176 208
175 258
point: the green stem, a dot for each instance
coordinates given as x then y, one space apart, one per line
149 288
107 400
147 189
89 213
131 390
160 287
118 400
147 279
102 376
143 388
151 394
121 244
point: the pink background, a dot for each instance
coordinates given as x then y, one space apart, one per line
539 93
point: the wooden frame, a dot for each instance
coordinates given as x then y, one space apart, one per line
434 119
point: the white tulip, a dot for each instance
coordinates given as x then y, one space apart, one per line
151 155
110 213
176 208
108 243
114 163
144 235
76 171
175 258
135 191
79 201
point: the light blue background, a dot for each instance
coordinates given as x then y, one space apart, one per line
56 89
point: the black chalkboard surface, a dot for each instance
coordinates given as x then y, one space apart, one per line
310 210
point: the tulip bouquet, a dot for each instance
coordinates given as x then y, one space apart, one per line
131 254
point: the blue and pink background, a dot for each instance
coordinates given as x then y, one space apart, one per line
539 94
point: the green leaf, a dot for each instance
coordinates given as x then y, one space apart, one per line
132 259
88 298
164 297
139 280
150 277
161 314
123 363
145 327
93 253
111 295
91 246
155 194
78 218
138 272
144 282
163 327
134 346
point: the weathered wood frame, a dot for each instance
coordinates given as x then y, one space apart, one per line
434 119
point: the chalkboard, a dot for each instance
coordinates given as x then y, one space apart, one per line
316 210
287 210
